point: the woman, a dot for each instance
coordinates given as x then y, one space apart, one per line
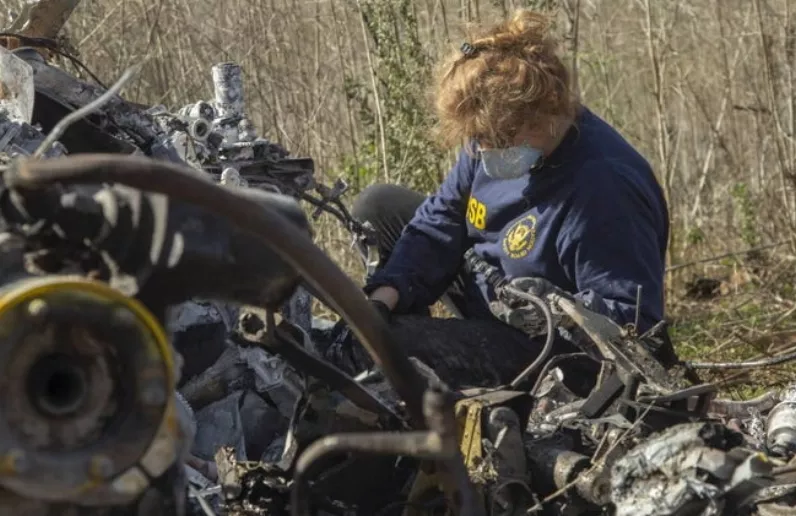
543 188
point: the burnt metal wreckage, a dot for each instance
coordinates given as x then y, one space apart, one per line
160 356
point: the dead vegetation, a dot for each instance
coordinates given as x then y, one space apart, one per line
705 88
749 316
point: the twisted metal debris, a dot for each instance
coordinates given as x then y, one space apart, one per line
259 420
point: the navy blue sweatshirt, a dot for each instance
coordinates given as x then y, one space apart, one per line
592 221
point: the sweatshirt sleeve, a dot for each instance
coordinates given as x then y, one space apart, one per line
427 256
614 241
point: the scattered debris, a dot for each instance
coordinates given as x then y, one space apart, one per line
262 422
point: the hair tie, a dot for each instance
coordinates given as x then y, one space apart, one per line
468 50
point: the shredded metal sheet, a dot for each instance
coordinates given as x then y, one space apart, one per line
687 467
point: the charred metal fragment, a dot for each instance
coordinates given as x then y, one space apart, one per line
741 409
687 469
438 444
243 392
228 86
250 488
285 342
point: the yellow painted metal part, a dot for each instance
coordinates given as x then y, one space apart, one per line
470 419
162 450
469 416
29 289
469 412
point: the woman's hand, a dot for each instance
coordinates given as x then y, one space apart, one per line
343 351
524 315
386 295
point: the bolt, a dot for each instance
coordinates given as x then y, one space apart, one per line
101 466
153 395
38 308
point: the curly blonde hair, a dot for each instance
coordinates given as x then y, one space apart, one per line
511 78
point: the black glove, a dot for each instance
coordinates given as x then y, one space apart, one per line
342 332
538 287
521 313
344 351
382 308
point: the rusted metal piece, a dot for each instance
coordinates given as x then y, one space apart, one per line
228 374
614 344
285 342
71 428
594 484
554 464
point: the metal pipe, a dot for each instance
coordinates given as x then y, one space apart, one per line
411 444
228 87
549 340
438 444
438 408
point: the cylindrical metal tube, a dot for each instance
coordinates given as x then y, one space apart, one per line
228 86
87 388
554 466
201 110
199 128
781 429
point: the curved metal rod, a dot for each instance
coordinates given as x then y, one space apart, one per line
553 361
548 345
439 444
422 445
752 364
182 183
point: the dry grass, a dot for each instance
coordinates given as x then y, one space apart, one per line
704 88
751 317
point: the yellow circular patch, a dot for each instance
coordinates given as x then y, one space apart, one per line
520 237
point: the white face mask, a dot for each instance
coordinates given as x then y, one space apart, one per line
511 162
